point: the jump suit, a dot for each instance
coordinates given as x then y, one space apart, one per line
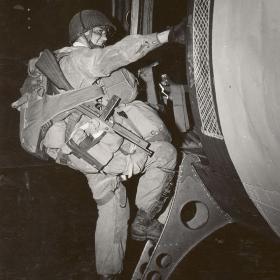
82 67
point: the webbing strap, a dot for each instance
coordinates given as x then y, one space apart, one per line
72 120
40 152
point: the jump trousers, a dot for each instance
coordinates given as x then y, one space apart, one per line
113 216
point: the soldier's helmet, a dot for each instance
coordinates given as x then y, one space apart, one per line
85 20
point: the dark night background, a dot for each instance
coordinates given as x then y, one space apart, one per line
47 216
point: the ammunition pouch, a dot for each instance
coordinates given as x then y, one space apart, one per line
92 154
142 120
81 150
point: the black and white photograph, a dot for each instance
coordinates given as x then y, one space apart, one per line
139 140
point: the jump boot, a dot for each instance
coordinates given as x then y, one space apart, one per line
145 225
144 228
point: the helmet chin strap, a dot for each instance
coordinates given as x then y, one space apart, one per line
90 44
88 41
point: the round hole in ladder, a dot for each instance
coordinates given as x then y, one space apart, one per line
143 267
153 275
164 260
194 214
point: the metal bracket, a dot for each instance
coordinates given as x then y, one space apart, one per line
194 215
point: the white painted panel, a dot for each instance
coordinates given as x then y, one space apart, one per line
246 64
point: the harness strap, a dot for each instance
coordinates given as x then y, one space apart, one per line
72 120
122 195
40 152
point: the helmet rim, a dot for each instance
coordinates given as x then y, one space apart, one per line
84 21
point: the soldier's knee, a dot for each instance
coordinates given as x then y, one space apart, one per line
166 154
169 151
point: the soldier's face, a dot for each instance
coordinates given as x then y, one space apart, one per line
98 36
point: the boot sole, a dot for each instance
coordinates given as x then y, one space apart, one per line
141 238
138 238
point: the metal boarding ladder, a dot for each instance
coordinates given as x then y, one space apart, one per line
194 214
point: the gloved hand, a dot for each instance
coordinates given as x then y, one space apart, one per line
177 32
